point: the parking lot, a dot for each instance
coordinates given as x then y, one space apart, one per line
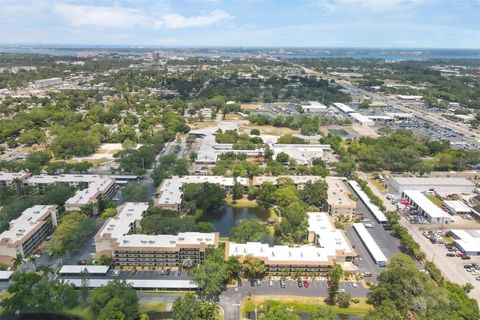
385 240
313 288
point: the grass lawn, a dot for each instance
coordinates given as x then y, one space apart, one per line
377 184
241 203
81 311
302 304
435 199
152 307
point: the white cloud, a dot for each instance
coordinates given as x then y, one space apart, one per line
118 17
96 16
172 20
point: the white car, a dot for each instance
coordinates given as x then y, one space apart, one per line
355 285
341 290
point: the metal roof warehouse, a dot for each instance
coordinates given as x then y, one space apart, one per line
143 284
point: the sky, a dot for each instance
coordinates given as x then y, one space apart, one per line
243 23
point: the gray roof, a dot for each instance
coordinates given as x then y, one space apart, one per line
76 269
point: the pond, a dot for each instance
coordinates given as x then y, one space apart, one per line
226 217
342 133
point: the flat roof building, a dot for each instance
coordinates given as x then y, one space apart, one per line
343 107
6 178
442 186
313 107
96 186
338 198
457 206
298 181
303 154
426 207
329 245
79 269
361 119
27 232
170 191
467 241
117 240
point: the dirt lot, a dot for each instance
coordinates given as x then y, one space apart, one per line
269 130
249 106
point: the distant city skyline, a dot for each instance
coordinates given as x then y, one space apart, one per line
244 23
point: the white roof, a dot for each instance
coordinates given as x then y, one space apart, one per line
302 153
425 204
360 118
364 197
68 178
457 205
296 179
23 225
119 228
314 105
330 240
171 189
343 107
370 243
434 181
5 275
337 192
468 240
91 193
139 283
326 233
9 176
76 269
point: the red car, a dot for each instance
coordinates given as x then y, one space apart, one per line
305 283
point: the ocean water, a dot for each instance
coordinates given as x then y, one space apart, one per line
285 53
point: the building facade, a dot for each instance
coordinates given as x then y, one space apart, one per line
27 232
116 239
338 198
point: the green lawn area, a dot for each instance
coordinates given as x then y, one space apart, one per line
377 184
241 203
81 311
152 307
302 304
435 199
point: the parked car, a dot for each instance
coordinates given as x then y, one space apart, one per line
167 272
259 282
239 282
282 284
354 284
341 290
270 283
299 283
450 254
252 283
306 284
162 272
477 278
466 257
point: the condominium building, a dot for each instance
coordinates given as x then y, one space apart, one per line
328 245
338 198
170 191
117 239
298 181
7 178
92 187
27 232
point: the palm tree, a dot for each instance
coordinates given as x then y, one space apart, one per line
33 260
18 260
46 270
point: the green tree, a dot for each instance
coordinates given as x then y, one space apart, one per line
253 267
117 298
323 313
248 231
189 307
18 260
108 213
133 192
334 276
315 194
237 191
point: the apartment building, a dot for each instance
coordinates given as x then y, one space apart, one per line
92 188
327 245
7 178
170 191
338 198
117 239
27 232
298 181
